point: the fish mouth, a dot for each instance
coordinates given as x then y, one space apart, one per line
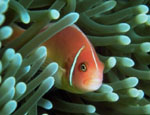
92 84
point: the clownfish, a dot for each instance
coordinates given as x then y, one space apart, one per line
80 69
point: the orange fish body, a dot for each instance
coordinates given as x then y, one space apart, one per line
71 49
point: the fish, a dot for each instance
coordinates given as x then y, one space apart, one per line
80 69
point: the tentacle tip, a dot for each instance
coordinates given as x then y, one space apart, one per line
10 80
6 32
74 16
2 19
91 109
141 18
113 97
25 18
141 94
133 80
105 88
112 62
123 27
146 109
133 92
3 7
125 40
21 87
48 83
145 46
41 51
54 13
127 62
52 68
143 9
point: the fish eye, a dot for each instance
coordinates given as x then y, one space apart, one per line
83 67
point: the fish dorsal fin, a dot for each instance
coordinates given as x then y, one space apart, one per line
74 63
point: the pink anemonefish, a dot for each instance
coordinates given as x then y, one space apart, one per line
70 48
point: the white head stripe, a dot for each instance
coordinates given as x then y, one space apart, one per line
94 58
73 64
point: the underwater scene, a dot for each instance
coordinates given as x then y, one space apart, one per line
74 57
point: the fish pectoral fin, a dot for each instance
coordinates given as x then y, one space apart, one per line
63 70
58 76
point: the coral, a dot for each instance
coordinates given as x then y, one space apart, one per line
119 31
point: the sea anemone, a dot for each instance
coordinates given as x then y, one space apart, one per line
119 31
